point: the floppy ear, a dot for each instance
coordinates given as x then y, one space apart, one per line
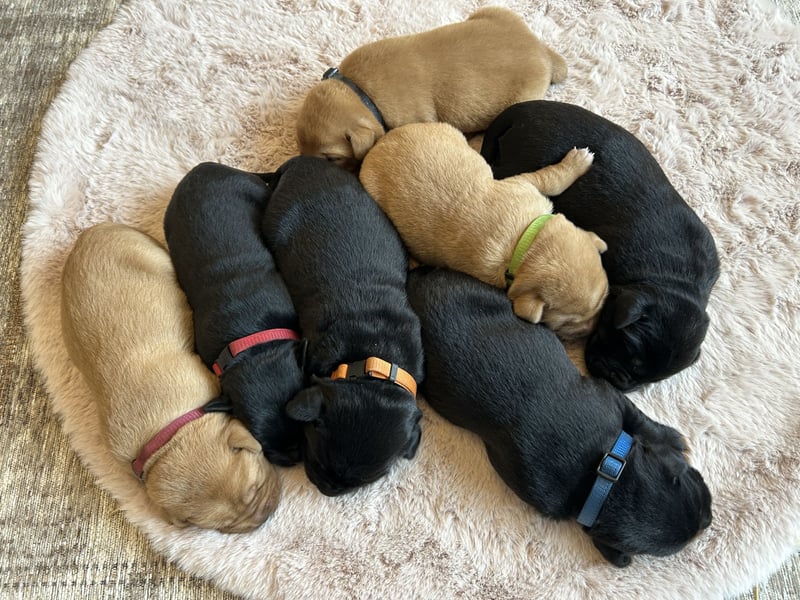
628 308
529 307
598 242
650 433
362 137
612 555
241 439
306 405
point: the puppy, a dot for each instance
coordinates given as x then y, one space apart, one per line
661 261
244 321
547 429
345 268
128 329
451 212
464 74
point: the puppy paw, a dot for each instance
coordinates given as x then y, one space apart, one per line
579 160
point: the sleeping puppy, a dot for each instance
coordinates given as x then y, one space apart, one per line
244 321
345 268
464 74
547 429
128 329
661 259
451 212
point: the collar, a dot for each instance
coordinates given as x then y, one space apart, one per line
160 439
242 344
608 472
524 244
379 369
333 73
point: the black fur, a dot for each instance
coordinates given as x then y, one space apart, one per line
213 230
661 259
546 427
345 268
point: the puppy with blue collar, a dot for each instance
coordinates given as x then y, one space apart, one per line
573 447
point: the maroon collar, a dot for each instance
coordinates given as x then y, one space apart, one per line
161 438
242 344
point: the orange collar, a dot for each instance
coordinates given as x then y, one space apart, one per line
379 369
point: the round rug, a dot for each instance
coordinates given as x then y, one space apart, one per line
709 86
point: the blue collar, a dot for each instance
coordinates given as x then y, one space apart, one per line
333 73
608 472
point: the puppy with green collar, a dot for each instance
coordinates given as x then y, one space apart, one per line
451 212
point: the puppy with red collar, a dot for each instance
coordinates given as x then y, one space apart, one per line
128 329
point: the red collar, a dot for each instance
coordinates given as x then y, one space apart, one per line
161 438
242 344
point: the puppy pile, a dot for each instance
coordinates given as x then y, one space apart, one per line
282 325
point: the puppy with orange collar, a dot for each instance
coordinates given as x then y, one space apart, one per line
128 328
464 74
451 212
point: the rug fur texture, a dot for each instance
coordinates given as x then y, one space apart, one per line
711 87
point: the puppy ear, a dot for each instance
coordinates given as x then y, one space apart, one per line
241 439
306 406
529 307
598 242
649 433
628 308
362 137
612 555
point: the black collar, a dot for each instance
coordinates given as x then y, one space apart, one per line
333 73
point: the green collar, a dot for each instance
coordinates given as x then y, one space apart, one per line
524 244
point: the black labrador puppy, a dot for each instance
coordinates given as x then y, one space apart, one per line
661 259
244 320
345 268
549 431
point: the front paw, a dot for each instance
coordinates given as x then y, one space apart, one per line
578 160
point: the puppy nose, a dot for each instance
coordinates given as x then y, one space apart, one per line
706 521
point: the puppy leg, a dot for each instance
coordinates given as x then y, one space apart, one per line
552 180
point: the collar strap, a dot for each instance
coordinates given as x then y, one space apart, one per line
160 439
379 369
524 244
242 344
333 73
608 472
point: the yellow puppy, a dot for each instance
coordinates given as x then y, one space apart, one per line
464 74
450 211
128 328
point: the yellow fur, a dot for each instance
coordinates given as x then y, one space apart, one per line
128 328
464 74
450 211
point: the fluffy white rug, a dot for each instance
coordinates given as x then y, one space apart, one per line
710 86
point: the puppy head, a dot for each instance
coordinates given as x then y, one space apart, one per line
659 504
561 281
354 430
643 336
212 474
334 124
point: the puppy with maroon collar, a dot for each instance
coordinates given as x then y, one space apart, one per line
571 446
244 321
128 329
345 268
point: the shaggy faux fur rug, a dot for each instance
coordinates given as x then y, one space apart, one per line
711 87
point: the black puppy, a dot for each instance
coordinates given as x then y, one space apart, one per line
547 429
661 260
244 321
346 268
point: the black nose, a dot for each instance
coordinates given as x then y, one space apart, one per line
706 520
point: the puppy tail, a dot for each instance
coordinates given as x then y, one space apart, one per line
558 67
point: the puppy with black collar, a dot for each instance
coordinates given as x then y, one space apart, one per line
244 320
661 260
345 268
571 446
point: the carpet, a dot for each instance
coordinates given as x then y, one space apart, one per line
710 87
